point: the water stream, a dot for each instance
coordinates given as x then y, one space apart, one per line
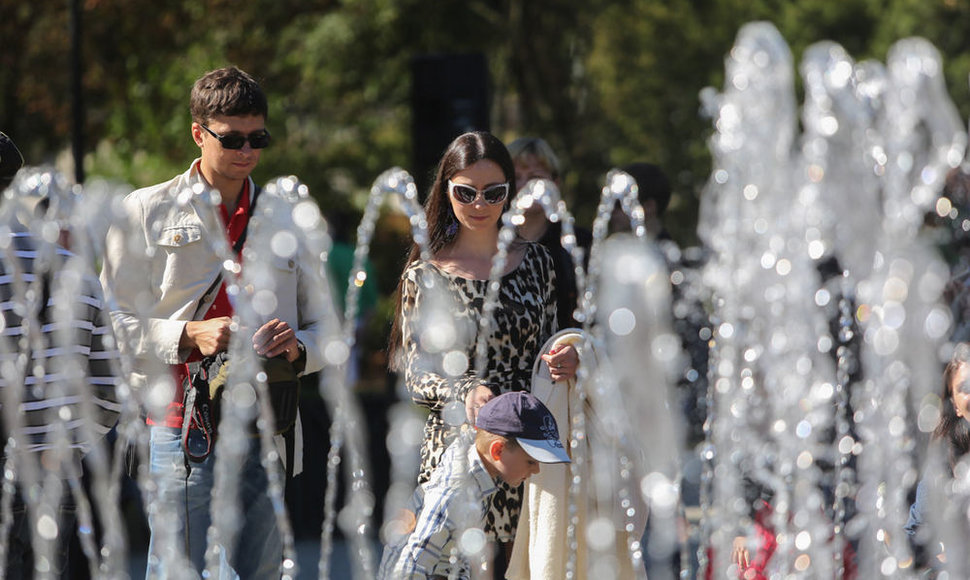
820 284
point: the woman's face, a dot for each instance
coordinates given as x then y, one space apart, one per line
478 214
960 391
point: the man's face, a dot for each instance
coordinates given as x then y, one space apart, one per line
228 164
529 167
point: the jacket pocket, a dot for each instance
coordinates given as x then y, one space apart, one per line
179 236
184 257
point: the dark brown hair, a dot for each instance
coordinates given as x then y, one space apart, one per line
463 152
652 183
226 92
952 428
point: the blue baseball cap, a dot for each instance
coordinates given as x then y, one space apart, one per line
521 415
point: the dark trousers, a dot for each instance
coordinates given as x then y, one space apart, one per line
20 546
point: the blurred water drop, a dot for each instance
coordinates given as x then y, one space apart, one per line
284 244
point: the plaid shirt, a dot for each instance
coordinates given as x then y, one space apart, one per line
75 397
455 499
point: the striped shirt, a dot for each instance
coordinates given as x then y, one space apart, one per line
454 501
70 388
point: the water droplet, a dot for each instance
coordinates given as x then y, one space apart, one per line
455 363
306 215
622 321
600 534
264 302
472 541
284 244
336 352
47 527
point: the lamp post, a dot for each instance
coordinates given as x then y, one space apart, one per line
77 100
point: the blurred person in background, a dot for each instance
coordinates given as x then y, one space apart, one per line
70 392
10 161
535 159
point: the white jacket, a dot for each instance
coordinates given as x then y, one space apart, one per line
159 264
157 275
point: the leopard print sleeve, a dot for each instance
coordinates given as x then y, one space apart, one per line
425 302
550 310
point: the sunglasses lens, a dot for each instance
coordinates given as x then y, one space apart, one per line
464 193
496 193
233 141
259 140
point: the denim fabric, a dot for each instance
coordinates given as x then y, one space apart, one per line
917 510
20 551
259 546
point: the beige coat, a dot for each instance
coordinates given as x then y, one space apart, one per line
540 550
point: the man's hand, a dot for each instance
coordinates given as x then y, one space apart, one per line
275 338
739 553
209 336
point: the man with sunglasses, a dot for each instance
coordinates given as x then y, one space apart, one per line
173 309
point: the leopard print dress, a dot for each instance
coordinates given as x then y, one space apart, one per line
441 316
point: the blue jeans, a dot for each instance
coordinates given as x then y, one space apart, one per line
20 555
186 494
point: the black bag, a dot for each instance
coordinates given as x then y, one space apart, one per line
281 382
203 390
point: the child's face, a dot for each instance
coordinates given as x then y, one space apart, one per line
515 465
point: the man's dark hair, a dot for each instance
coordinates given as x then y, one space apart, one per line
652 183
10 161
226 92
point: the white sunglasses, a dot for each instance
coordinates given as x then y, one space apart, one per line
466 194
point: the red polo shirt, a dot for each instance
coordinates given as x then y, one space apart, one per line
221 306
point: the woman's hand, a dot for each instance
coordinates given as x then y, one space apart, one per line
563 361
474 401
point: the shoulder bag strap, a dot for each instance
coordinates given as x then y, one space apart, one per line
235 249
201 412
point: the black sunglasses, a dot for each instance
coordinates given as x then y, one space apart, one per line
257 139
466 194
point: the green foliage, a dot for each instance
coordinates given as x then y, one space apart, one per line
604 81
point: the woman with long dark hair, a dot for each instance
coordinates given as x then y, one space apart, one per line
437 324
952 432
954 426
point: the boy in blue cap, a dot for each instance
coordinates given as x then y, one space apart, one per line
515 432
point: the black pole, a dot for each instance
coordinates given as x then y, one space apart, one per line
77 101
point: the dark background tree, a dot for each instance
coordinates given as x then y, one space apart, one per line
606 82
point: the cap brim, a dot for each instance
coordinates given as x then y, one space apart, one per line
544 450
